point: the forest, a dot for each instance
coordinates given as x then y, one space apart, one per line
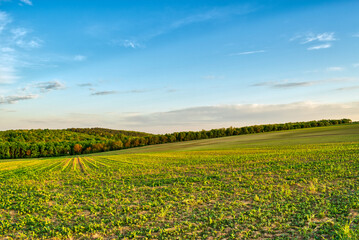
76 141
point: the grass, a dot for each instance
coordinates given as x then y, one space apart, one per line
300 184
330 134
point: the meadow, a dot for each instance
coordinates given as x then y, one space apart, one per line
296 184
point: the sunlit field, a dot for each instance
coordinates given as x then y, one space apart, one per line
300 184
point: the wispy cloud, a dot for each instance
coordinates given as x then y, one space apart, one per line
356 65
130 44
13 40
50 86
322 46
33 43
19 37
16 98
201 117
283 84
5 19
321 37
27 2
133 91
209 15
212 77
80 58
202 17
291 84
208 117
19 33
312 38
247 53
7 50
348 88
335 69
136 91
85 85
126 43
165 27
7 74
102 93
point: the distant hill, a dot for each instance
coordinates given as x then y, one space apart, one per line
48 143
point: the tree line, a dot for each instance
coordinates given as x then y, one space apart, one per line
75 141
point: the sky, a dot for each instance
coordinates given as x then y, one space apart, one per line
164 66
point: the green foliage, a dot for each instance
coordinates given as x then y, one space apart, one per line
51 143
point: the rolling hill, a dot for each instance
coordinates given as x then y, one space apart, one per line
296 184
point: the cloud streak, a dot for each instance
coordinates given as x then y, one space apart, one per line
50 86
5 19
321 37
322 40
318 47
80 58
247 53
27 2
284 84
7 73
335 69
14 40
126 43
239 115
16 98
351 88
287 84
197 118
103 93
85 85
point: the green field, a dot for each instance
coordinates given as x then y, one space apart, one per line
298 184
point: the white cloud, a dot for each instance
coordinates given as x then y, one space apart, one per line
356 65
7 50
19 33
322 46
27 2
130 44
34 43
321 37
202 17
49 86
20 39
8 61
335 69
102 93
198 118
291 84
351 88
284 84
4 20
15 98
126 43
202 117
80 58
7 74
246 53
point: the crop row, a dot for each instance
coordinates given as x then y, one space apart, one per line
302 191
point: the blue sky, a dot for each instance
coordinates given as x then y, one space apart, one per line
164 66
